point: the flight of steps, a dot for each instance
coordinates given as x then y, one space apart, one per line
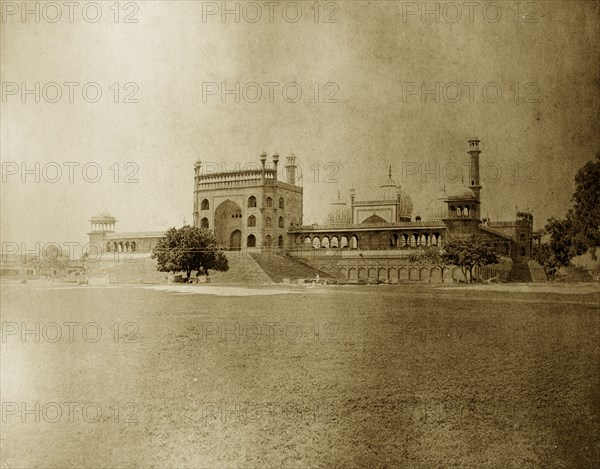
242 269
520 272
537 272
278 267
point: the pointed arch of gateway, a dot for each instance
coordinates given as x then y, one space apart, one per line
228 226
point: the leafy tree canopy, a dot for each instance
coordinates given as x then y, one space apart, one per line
189 249
547 259
566 241
468 252
431 255
585 214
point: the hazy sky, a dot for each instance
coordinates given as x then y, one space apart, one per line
373 64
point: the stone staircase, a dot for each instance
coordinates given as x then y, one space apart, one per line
537 272
519 272
278 267
243 268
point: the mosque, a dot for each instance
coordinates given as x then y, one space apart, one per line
372 236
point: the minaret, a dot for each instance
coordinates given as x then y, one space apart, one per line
474 152
275 163
263 160
290 169
197 170
197 174
352 196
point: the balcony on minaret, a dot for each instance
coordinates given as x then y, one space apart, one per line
290 169
474 144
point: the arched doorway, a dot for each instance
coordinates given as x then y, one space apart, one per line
227 221
235 240
268 241
251 242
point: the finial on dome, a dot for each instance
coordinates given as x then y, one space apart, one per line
390 171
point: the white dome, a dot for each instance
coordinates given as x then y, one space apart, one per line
390 191
437 209
340 213
463 193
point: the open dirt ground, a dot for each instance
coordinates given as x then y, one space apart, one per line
295 377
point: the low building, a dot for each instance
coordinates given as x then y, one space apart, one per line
102 234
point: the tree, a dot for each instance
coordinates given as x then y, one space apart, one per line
579 231
188 249
585 215
468 252
431 255
546 258
566 240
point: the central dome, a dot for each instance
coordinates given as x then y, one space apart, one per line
390 191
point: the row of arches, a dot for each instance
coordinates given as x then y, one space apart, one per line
103 227
460 211
121 246
372 241
395 274
251 223
268 241
252 203
268 222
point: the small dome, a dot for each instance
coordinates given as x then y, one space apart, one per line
340 213
389 190
463 193
437 209
103 216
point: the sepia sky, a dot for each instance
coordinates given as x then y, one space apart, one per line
523 77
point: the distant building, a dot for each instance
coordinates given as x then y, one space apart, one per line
373 234
102 233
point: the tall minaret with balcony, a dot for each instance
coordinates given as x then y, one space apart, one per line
290 169
474 152
474 182
275 165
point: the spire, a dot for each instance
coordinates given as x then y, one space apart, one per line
339 200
